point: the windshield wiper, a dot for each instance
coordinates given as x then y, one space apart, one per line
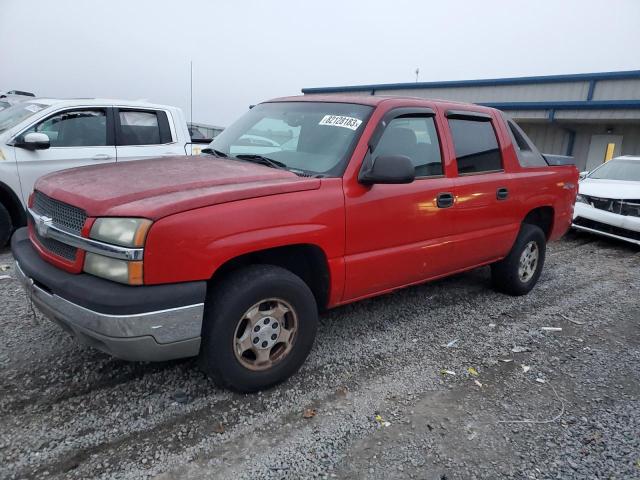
213 151
269 162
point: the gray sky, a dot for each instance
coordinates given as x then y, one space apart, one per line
246 51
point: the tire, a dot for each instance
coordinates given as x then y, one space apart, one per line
507 275
230 323
6 226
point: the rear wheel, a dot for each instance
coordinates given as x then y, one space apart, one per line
519 271
6 226
259 327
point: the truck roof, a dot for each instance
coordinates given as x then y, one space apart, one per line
374 100
96 101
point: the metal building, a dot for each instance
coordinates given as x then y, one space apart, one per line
200 131
584 115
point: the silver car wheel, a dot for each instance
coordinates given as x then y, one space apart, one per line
528 261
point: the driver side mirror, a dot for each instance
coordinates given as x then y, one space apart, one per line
34 141
583 175
388 169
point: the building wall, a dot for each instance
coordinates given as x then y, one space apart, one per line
503 93
547 137
630 139
555 137
617 89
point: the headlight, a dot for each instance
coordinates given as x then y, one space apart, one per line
581 199
126 232
113 269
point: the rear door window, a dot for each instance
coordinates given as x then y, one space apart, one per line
142 127
476 146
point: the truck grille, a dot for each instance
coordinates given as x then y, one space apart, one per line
63 216
57 248
621 207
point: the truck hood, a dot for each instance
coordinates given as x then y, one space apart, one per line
155 188
615 189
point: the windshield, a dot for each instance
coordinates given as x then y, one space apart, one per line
10 117
618 169
310 137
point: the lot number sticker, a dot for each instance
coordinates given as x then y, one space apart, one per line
340 121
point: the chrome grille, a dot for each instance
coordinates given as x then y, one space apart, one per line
57 248
621 207
630 207
64 216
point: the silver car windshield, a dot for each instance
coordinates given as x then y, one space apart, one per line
310 137
13 115
618 169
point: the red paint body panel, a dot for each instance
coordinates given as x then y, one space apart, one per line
377 238
159 187
204 239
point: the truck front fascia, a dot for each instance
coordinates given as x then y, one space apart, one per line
46 229
146 323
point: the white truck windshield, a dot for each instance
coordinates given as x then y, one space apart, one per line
15 114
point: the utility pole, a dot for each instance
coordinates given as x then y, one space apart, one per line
191 91
417 74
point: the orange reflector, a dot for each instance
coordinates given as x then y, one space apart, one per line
141 233
135 273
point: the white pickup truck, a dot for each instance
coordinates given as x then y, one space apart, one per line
42 135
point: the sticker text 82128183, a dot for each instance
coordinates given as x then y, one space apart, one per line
341 121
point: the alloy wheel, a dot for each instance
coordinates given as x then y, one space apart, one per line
528 261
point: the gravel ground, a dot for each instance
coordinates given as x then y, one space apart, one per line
67 411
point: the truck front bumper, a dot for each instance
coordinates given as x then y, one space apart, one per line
146 323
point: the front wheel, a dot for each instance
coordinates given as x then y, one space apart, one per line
519 271
259 327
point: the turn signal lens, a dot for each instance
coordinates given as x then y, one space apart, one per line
135 273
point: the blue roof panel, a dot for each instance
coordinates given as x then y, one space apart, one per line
575 77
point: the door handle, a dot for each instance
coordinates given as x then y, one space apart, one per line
502 193
101 156
445 200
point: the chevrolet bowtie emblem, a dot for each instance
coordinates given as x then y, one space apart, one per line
42 225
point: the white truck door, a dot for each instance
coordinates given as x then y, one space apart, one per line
77 136
144 133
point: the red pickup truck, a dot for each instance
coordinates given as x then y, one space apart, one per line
305 203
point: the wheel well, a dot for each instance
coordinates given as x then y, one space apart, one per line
306 261
542 217
11 202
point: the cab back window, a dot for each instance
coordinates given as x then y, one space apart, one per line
527 156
